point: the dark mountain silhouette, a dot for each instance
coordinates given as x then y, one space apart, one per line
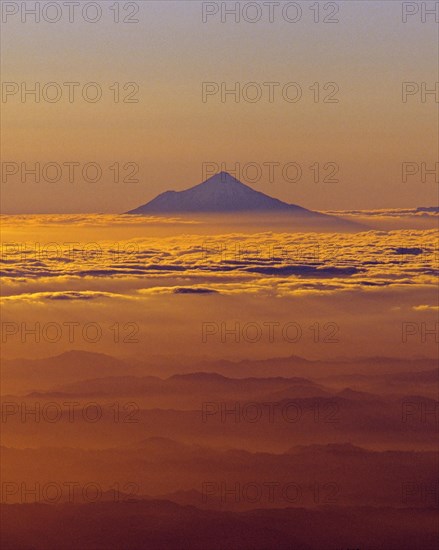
160 466
222 193
56 373
164 525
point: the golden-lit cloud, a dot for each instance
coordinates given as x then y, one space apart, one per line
172 280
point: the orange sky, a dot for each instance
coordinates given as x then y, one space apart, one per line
171 132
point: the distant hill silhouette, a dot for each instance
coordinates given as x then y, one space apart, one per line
164 525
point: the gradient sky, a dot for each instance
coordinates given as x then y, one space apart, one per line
171 132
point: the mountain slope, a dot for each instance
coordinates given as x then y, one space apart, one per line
221 193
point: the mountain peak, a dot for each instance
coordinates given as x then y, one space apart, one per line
223 178
221 193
